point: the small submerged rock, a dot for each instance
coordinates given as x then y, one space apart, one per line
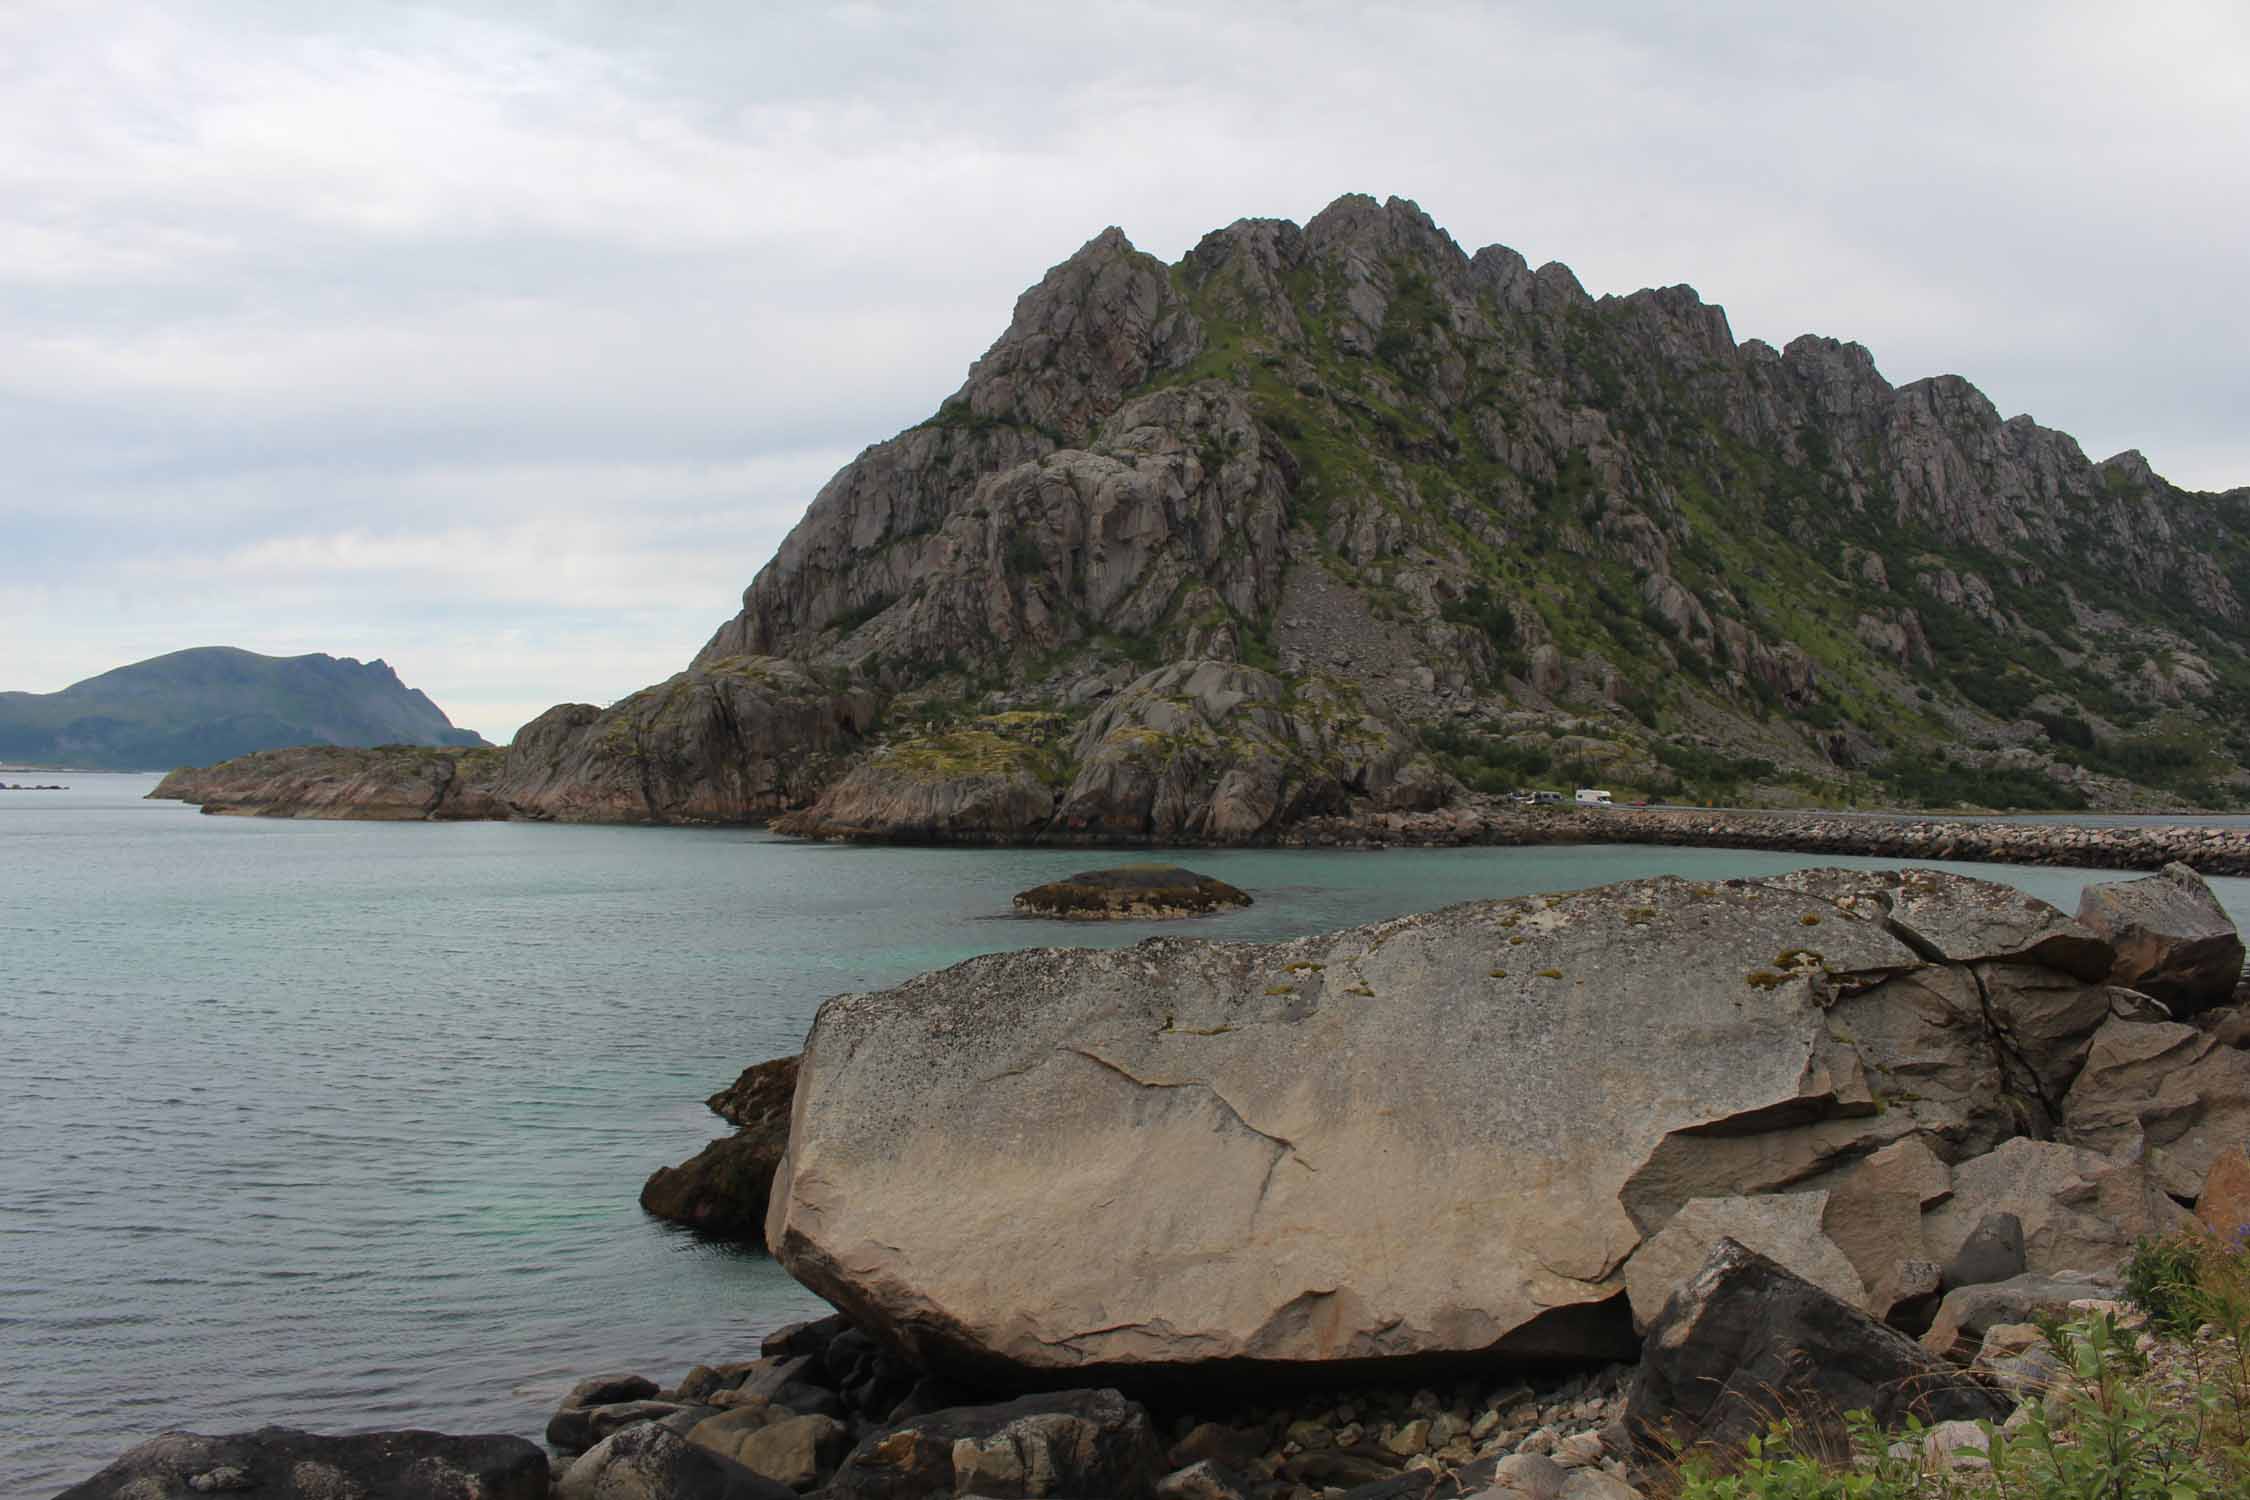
1131 891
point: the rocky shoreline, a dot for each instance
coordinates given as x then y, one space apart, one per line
1520 1199
437 786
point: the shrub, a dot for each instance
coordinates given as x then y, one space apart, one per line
2163 1277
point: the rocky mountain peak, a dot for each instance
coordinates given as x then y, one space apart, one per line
1350 452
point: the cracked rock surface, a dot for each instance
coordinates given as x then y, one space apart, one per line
1441 1135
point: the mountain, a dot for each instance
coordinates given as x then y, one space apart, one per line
1341 520
213 703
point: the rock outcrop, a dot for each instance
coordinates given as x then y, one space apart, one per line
390 783
1186 1154
2164 1092
1130 892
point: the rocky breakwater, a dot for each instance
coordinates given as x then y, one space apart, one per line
731 741
2208 850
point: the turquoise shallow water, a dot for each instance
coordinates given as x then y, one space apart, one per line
341 1124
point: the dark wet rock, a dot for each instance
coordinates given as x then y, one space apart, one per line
761 1095
1746 1342
287 1464
571 1428
722 1190
1131 891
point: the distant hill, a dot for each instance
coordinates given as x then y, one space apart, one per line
214 702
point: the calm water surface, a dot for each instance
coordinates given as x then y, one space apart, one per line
341 1124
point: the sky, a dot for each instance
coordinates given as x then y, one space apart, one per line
505 342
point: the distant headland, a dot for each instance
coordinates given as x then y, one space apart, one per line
214 703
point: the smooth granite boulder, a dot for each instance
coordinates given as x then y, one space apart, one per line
573 1426
1182 1152
281 1463
2172 938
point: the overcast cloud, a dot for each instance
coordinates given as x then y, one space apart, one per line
504 342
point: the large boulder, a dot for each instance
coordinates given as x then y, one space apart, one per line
1181 1153
2172 938
1084 1442
1745 1343
281 1463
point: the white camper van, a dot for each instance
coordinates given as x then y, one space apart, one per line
1589 796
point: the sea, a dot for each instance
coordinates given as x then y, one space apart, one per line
341 1125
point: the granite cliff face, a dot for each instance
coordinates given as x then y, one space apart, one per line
1340 518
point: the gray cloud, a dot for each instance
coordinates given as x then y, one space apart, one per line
505 342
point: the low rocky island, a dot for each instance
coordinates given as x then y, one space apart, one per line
1131 892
